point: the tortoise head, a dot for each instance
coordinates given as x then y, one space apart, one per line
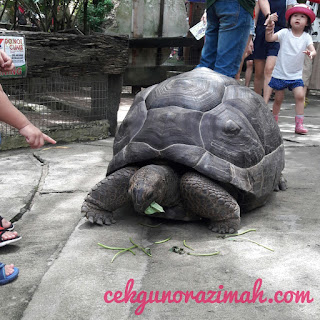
150 183
145 186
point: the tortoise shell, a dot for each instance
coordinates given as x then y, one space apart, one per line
208 122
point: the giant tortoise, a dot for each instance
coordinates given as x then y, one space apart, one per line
198 144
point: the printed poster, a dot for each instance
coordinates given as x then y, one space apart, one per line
199 30
14 47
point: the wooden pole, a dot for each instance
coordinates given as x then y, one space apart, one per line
85 17
15 14
160 32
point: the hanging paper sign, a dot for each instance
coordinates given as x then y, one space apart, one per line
14 47
199 30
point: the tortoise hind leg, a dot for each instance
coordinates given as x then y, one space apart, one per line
207 199
108 195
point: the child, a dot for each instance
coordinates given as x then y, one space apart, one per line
294 43
35 138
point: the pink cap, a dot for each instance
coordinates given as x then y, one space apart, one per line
301 8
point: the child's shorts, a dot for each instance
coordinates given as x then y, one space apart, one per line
279 84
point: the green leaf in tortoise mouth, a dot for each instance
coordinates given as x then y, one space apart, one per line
153 208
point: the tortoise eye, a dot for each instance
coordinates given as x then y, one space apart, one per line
231 127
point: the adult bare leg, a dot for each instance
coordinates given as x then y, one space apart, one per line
248 73
270 63
258 75
245 54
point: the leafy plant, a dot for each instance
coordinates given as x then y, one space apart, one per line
96 12
58 15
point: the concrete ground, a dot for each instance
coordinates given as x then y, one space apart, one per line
64 274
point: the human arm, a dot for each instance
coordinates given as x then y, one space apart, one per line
311 51
12 116
34 137
256 12
250 47
264 6
270 35
271 18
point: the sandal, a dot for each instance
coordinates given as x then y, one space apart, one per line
5 242
2 227
5 279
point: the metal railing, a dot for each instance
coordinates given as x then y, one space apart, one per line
56 103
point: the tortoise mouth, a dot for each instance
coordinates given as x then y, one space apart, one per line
141 199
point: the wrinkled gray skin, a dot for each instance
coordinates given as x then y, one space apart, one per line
198 144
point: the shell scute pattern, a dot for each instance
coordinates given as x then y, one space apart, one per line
207 122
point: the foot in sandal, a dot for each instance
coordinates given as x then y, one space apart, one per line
7 236
5 224
8 273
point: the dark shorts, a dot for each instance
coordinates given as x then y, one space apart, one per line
279 84
262 48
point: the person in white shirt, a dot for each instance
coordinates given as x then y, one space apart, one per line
295 42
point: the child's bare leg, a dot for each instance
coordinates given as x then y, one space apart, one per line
278 99
298 94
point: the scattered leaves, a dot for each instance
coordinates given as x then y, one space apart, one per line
203 254
147 251
162 241
246 239
151 225
184 243
235 234
122 251
177 249
112 248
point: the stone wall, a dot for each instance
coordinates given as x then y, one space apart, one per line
140 18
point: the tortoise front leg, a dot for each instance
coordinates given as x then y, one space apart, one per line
207 199
108 195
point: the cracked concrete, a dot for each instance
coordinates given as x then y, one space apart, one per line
64 273
55 187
